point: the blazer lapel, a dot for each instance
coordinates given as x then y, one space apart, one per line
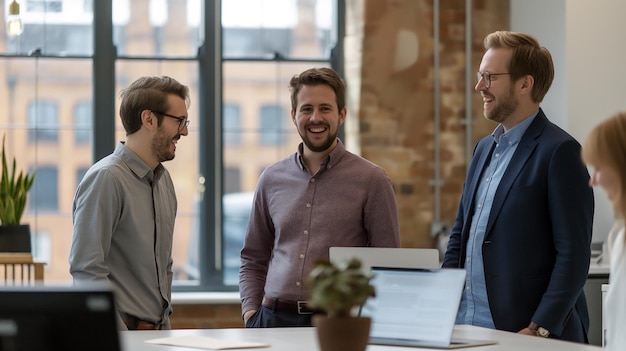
524 150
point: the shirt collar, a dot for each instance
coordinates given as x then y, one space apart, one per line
136 164
514 134
331 160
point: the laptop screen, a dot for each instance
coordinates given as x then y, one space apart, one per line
414 304
57 318
387 256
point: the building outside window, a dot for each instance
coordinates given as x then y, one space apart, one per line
43 121
231 121
63 79
82 122
271 124
44 195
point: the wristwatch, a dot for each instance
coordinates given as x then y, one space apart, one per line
539 331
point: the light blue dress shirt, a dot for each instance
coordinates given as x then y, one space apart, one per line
474 308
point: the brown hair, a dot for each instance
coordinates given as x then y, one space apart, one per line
148 93
528 58
316 76
605 147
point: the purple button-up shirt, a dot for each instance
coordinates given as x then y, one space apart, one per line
297 217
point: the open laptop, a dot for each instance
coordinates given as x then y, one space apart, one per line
43 318
416 307
387 256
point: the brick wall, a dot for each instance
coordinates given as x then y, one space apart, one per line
390 74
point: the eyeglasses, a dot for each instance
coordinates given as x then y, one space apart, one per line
487 77
183 121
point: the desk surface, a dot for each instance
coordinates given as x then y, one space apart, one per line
304 339
599 268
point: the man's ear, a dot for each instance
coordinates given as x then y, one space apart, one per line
342 115
149 120
528 83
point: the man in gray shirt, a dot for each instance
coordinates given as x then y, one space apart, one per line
319 197
125 207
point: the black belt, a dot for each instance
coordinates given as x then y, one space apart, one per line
299 307
134 323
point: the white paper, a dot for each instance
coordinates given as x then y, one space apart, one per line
206 343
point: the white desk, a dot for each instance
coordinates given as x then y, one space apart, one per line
602 268
304 339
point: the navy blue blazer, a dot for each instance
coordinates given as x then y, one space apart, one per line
536 249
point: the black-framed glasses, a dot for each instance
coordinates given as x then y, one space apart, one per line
487 77
183 121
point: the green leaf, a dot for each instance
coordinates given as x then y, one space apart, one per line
338 288
14 189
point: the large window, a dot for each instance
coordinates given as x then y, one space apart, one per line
62 78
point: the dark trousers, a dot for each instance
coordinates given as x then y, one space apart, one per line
266 317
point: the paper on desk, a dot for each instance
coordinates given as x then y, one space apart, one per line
204 342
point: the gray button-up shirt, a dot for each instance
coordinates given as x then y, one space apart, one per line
123 216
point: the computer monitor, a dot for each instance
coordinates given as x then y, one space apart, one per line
57 318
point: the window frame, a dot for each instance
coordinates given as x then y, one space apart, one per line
210 61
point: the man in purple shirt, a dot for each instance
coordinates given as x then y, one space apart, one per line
319 197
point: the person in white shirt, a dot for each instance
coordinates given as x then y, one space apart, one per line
605 151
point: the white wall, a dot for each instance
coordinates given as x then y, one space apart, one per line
545 20
586 39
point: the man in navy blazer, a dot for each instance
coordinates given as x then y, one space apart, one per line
524 223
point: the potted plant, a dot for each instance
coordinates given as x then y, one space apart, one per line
338 290
14 236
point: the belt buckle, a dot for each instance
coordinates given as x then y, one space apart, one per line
301 307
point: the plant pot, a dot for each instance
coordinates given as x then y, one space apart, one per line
342 334
15 238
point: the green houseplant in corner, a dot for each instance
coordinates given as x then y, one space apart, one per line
14 236
338 290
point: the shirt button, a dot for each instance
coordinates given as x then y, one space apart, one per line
306 232
297 283
467 288
497 155
301 255
312 180
308 205
467 259
488 179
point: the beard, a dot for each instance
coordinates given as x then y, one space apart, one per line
161 145
325 144
503 109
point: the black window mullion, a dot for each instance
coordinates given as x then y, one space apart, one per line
104 57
